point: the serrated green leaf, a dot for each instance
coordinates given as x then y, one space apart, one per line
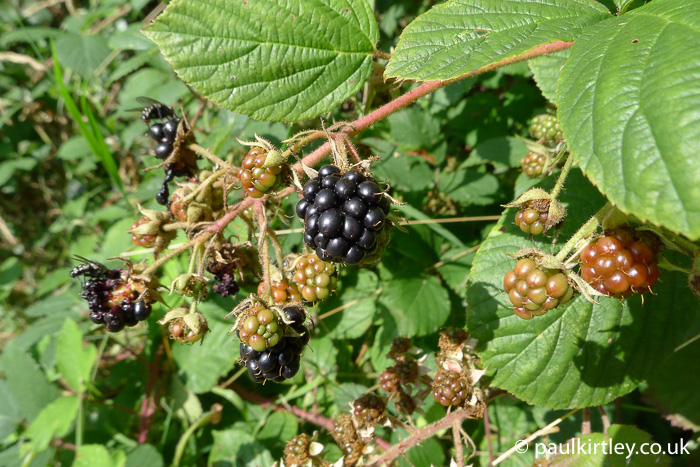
420 305
82 54
502 153
547 69
272 60
201 366
460 36
580 354
73 361
278 426
10 415
96 455
611 450
238 447
360 298
54 420
469 186
26 382
629 100
145 454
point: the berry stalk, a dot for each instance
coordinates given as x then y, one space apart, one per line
586 230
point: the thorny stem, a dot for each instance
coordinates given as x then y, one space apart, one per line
424 433
351 130
487 431
212 157
204 420
562 177
459 452
148 406
586 230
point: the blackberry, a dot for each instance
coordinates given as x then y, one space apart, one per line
282 291
256 179
530 220
389 380
225 277
146 241
344 216
368 410
533 164
112 301
346 437
296 451
621 263
449 388
534 291
407 369
261 329
279 359
314 278
546 128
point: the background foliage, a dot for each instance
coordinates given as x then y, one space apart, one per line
71 171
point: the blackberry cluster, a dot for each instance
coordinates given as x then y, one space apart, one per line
534 291
348 440
146 241
257 180
546 128
224 275
282 291
530 220
620 263
278 356
296 451
368 409
533 164
449 388
164 134
315 279
344 215
390 380
111 301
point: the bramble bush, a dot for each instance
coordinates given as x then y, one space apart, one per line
383 233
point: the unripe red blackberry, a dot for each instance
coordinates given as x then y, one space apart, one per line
178 209
282 291
257 180
533 164
546 128
620 263
146 241
315 279
449 388
534 291
389 380
368 409
530 220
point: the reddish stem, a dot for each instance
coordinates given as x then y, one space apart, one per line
148 406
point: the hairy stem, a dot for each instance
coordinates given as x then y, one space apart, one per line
586 230
263 250
215 159
562 177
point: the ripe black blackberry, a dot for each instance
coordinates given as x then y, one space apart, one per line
280 361
112 300
344 216
224 275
